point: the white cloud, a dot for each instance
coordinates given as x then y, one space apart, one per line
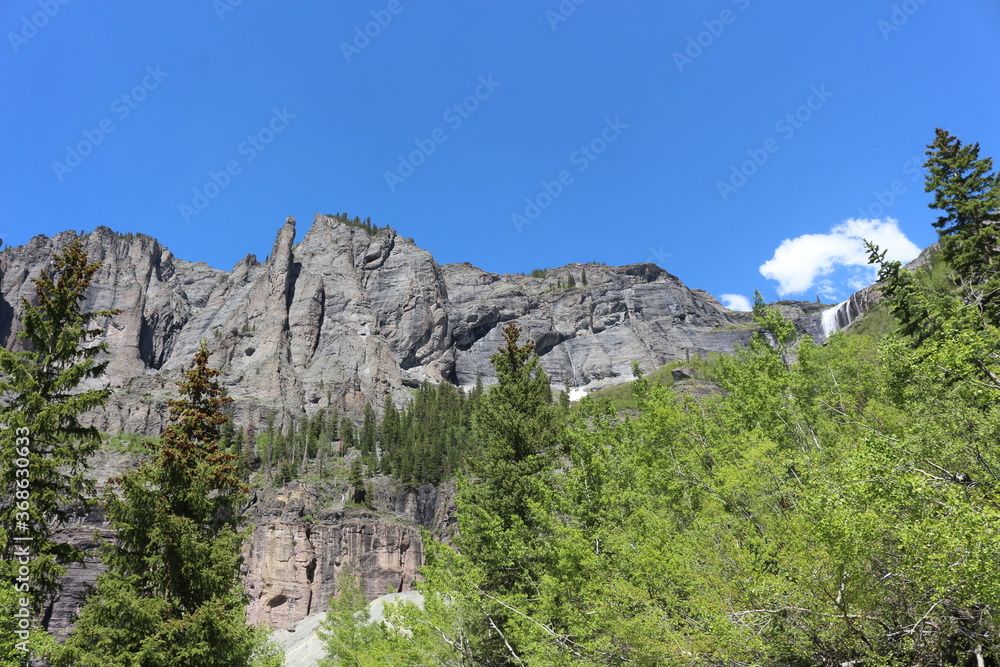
825 289
798 263
736 302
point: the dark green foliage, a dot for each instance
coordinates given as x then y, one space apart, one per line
356 483
286 473
571 281
583 277
391 428
369 432
172 594
365 224
248 460
538 273
432 438
266 444
503 525
347 435
40 406
967 192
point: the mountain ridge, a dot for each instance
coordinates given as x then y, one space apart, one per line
350 314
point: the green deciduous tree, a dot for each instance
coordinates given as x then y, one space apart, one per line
408 635
781 331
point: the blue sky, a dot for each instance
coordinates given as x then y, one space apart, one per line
713 138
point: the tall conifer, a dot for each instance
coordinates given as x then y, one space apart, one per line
43 446
172 594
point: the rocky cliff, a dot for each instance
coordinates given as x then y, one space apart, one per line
343 317
346 316
299 550
303 540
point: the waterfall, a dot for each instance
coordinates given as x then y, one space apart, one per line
829 319
844 313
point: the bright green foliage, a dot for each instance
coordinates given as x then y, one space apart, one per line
172 594
802 517
348 633
836 508
818 524
781 331
409 634
39 420
471 613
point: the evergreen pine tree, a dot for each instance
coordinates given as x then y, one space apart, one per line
502 524
347 434
43 447
331 427
356 480
369 431
269 437
248 452
967 191
389 432
172 594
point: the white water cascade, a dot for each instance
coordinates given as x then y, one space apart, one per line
828 319
844 313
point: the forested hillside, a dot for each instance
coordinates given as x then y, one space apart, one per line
832 504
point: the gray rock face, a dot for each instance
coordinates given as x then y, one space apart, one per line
299 547
345 317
